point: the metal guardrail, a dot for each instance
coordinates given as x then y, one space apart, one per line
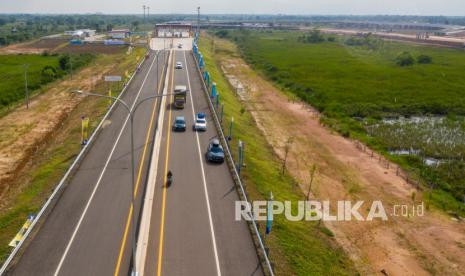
63 180
233 168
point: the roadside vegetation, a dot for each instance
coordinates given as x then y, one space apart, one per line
358 82
296 248
41 70
26 194
17 28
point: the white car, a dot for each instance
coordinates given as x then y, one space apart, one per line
200 122
178 65
180 45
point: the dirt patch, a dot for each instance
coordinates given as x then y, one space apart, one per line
37 46
22 48
60 45
93 48
414 245
24 131
47 43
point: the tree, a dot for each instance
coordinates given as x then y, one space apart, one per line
287 148
312 175
315 36
135 25
405 59
65 62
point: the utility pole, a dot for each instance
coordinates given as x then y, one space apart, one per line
143 7
26 91
148 16
198 20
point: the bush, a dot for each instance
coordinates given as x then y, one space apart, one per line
405 59
424 59
313 36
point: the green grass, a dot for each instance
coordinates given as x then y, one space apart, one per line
354 84
357 81
296 248
12 80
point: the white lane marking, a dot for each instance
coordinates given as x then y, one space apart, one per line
215 251
63 257
144 232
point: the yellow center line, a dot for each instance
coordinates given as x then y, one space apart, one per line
136 188
162 223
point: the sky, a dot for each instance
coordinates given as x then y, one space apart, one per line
299 7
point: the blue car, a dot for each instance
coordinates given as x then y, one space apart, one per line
215 152
179 124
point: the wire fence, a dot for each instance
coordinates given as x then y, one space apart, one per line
409 178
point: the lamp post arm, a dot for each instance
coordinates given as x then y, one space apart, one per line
104 96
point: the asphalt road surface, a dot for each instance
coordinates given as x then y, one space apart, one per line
87 233
193 229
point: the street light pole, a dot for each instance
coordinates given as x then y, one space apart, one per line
131 113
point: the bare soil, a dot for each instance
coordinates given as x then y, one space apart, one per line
47 43
23 131
413 245
60 45
93 48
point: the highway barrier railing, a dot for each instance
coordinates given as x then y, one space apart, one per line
57 191
261 250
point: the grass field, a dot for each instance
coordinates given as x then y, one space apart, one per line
296 248
12 75
356 81
41 69
356 87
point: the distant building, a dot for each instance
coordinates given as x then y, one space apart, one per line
173 29
114 42
119 34
83 33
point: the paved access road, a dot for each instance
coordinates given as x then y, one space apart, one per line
87 233
193 229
